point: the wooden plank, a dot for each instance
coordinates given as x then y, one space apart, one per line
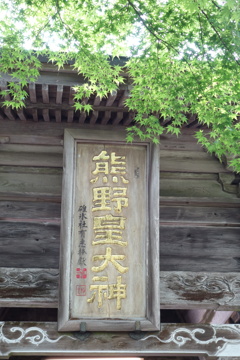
45 93
38 287
28 287
21 115
9 113
31 155
82 117
185 142
35 115
200 290
93 117
58 115
31 338
123 98
32 184
106 117
96 101
32 140
71 96
197 215
194 248
32 92
30 210
70 115
117 118
129 118
59 94
193 188
111 98
45 113
199 202
145 158
29 243
195 161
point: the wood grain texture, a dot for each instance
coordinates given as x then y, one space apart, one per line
141 159
34 287
29 243
197 161
31 338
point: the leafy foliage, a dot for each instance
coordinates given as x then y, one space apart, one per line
184 58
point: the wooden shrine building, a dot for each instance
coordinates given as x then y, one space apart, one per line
199 232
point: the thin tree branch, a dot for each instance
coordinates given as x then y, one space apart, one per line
149 29
219 36
215 4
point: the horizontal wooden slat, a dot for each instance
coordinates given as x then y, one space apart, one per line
199 214
193 188
31 338
30 155
196 252
42 181
44 184
29 243
34 287
38 211
203 248
197 161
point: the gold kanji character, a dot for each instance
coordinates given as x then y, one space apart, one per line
101 291
118 291
105 228
102 166
108 257
118 164
113 291
101 198
120 197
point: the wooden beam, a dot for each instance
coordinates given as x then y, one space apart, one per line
58 77
58 115
35 115
106 117
21 115
71 96
93 117
118 117
111 98
64 106
29 338
70 115
45 93
96 101
45 113
59 94
34 287
82 117
32 92
127 121
9 113
123 98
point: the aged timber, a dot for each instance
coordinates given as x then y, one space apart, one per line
33 287
173 339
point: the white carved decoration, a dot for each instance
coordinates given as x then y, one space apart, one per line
39 337
181 336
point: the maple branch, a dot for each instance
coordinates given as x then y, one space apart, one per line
149 29
219 36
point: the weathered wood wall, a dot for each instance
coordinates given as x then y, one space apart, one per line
200 219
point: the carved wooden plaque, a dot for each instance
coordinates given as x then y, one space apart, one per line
109 233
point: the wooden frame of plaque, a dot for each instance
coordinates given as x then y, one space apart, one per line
109 257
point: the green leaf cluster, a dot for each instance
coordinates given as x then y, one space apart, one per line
184 58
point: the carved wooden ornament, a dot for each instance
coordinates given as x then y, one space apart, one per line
109 261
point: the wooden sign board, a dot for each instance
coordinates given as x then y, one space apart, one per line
109 270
